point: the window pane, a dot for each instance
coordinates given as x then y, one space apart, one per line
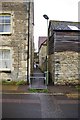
7 19
0 55
6 54
7 28
1 19
6 63
5 23
0 63
1 28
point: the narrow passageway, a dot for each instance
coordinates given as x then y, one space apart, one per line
38 80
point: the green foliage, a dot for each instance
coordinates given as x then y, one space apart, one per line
5 82
38 90
21 82
78 87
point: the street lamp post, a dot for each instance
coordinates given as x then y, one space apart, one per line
47 18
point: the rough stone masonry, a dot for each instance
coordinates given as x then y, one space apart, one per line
16 41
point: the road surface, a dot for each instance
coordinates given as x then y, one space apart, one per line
40 105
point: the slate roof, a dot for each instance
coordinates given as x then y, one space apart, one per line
42 39
64 25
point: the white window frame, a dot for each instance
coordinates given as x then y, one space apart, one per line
7 14
7 69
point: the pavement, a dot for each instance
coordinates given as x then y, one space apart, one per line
69 91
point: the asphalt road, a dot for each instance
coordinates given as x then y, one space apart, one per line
39 106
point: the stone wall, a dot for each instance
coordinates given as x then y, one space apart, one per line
63 67
17 41
42 57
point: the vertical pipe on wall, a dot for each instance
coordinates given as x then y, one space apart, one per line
28 58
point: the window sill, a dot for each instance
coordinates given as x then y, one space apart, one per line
5 33
5 70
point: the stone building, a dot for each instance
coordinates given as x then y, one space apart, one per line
36 57
64 41
42 48
16 39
